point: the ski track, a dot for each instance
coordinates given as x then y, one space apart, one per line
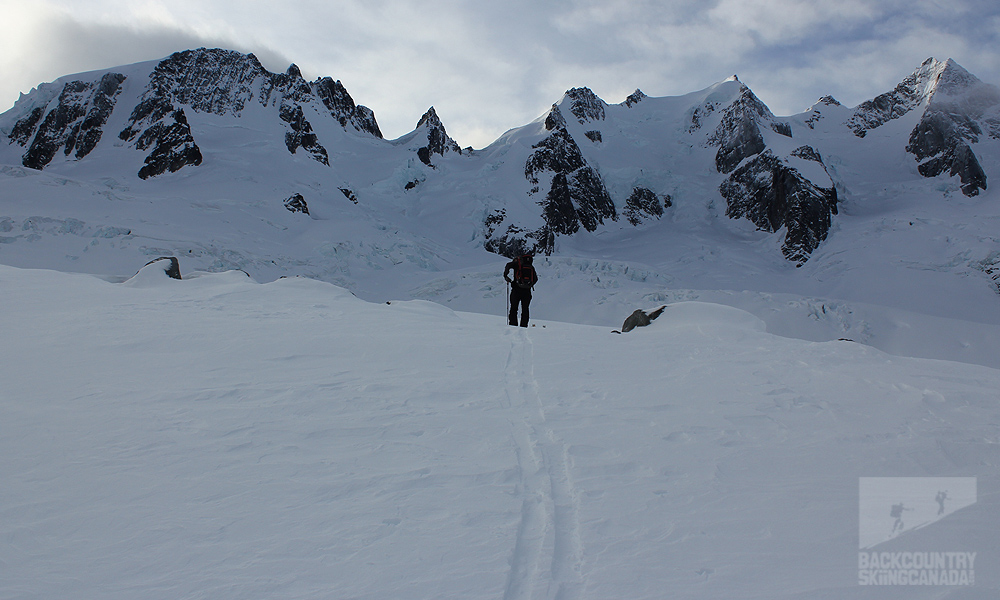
548 550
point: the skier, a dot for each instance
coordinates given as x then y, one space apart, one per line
897 513
940 498
524 279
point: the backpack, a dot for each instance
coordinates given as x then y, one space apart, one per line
524 274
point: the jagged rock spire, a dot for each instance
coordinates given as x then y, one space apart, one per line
438 141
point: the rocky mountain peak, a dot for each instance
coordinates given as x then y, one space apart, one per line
75 124
956 103
634 98
738 135
585 105
216 81
931 78
438 140
575 194
208 80
430 119
948 78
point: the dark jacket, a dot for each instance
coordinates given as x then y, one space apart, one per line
525 276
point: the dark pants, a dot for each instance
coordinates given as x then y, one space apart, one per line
520 296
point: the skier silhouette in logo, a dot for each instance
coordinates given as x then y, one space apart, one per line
940 498
897 513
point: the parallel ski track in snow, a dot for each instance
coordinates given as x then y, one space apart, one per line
548 551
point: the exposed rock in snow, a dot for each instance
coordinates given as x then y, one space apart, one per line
643 203
956 103
297 203
641 318
941 141
585 105
349 194
817 113
223 82
431 128
773 194
738 136
301 134
342 107
164 267
165 129
576 195
575 170
908 95
634 98
516 241
75 123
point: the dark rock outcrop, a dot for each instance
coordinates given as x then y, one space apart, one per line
634 98
738 135
342 107
223 82
25 126
74 125
941 140
954 102
640 318
438 141
170 265
643 203
349 194
773 194
585 105
157 124
516 241
817 114
576 196
297 203
301 133
886 107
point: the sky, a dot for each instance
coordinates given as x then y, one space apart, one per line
488 66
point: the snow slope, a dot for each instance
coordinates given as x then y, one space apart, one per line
216 437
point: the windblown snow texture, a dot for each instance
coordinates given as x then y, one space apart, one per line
160 436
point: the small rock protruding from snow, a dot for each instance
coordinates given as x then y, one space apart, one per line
157 270
297 203
640 318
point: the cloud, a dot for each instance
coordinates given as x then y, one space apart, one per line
49 44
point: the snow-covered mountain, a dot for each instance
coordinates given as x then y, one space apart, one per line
207 156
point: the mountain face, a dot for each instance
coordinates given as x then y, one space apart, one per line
956 109
584 170
74 125
218 82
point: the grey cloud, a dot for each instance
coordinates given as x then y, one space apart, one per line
63 46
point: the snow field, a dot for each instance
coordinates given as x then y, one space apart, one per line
215 437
